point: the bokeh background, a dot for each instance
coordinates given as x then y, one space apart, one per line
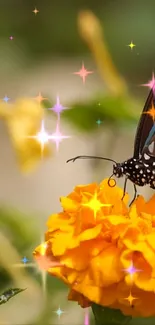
47 48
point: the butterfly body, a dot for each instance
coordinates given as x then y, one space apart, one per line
140 169
137 171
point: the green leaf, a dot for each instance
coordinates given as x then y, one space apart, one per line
109 109
107 316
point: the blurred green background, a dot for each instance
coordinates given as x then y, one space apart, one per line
45 51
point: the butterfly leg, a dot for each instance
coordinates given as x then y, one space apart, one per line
124 190
135 194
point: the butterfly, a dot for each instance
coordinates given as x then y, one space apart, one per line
140 169
8 294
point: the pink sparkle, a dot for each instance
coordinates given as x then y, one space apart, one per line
11 38
83 73
86 318
57 137
131 269
45 263
58 108
151 83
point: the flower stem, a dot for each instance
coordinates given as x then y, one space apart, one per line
91 31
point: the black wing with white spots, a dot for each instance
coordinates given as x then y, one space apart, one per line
8 294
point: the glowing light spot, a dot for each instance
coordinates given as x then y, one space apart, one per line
95 205
131 45
83 73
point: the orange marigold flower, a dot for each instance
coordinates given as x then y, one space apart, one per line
103 250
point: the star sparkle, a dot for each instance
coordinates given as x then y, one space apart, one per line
45 263
131 45
57 137
58 108
35 11
131 269
40 98
130 299
6 98
41 271
151 83
59 312
42 137
98 122
24 260
11 38
42 265
95 205
83 73
151 112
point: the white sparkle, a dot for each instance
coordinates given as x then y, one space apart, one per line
42 137
59 312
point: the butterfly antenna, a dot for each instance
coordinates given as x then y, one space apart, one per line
110 179
90 157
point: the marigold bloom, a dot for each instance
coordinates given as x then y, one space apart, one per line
96 239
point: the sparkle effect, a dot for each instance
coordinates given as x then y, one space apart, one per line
35 266
35 11
11 38
6 98
130 299
151 83
131 270
83 73
86 318
151 112
58 108
57 137
39 98
41 267
24 260
59 312
42 136
98 122
95 205
131 45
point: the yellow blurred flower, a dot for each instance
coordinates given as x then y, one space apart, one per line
96 238
23 120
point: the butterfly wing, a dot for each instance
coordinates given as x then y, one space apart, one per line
144 127
148 152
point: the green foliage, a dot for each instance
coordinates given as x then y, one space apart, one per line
22 235
114 111
107 316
